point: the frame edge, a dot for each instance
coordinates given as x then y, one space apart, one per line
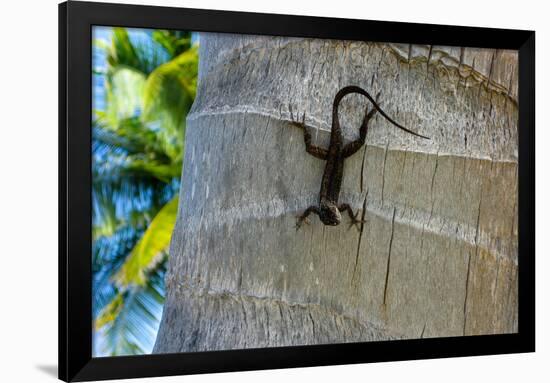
75 362
75 298
526 193
62 192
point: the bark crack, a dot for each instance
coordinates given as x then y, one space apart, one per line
312 325
363 213
240 279
466 292
384 170
429 58
267 323
433 176
423 329
363 169
477 222
389 258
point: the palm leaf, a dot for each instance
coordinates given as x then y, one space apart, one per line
150 248
170 89
110 312
124 90
137 152
141 54
136 166
129 134
129 322
127 202
175 42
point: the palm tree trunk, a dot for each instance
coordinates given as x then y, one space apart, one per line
437 253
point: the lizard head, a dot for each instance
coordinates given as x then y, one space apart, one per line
330 215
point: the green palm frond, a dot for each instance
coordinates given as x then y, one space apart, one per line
133 202
105 222
137 151
131 135
123 51
122 139
134 150
110 312
161 171
124 90
101 44
170 89
108 254
142 56
130 320
137 166
175 42
150 248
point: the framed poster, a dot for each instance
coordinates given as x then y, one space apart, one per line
248 191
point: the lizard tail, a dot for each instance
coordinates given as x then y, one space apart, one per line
355 89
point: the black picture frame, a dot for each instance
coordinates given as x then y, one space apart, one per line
75 306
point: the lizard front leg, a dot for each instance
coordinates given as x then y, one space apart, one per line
315 151
303 217
354 219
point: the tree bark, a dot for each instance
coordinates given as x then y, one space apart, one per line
437 254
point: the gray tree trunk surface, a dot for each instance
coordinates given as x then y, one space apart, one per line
437 253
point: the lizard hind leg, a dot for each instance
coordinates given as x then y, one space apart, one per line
302 218
354 220
354 146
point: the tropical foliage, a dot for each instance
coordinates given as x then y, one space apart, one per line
148 85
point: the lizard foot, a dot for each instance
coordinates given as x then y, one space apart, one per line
300 221
295 121
353 216
356 221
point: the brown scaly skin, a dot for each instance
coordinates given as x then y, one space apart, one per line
329 209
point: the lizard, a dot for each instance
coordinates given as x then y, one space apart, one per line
329 208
